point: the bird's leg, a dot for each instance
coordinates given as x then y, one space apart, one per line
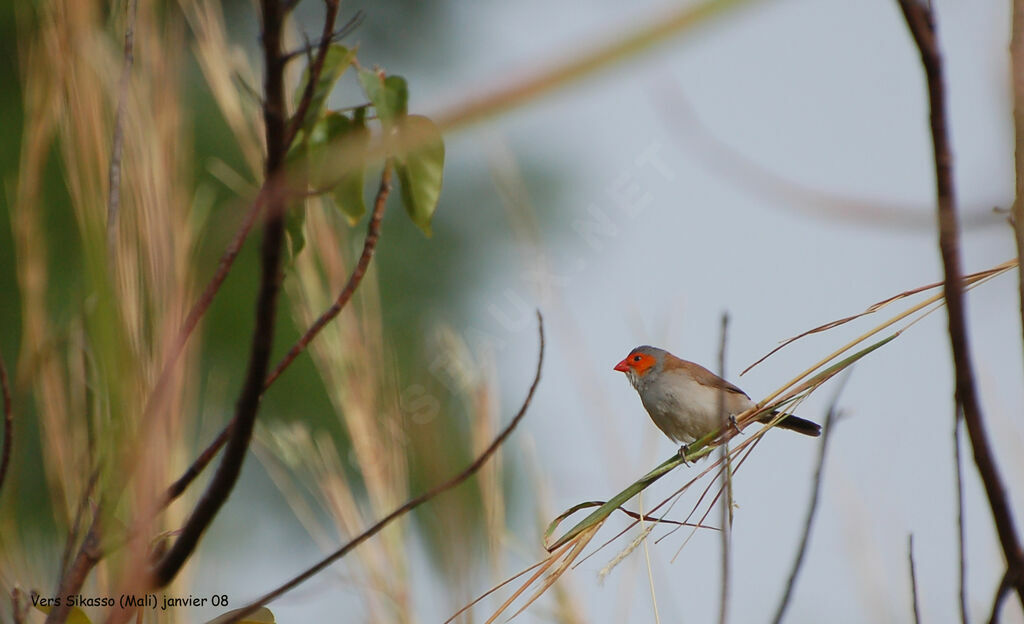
732 422
682 453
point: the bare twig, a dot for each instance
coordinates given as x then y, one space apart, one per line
5 454
922 26
248 403
831 416
961 553
354 280
723 604
331 15
88 556
913 579
1005 584
227 260
83 504
355 22
412 503
117 143
1017 83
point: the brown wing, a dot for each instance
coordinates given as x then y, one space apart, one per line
702 375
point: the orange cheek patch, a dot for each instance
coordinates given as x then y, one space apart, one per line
645 363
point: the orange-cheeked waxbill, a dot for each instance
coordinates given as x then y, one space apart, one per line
686 400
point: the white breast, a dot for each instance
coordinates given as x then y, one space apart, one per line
686 410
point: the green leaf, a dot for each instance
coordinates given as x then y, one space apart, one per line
389 96
335 63
348 190
421 169
259 616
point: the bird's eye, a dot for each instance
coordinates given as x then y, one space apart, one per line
637 358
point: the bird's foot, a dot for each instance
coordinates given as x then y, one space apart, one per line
732 423
682 453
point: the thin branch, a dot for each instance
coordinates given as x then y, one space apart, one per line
913 579
411 504
958 465
331 15
76 524
339 34
997 603
117 147
354 280
227 260
5 454
921 22
246 408
830 418
1017 84
88 556
723 603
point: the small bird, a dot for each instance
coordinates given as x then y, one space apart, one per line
684 399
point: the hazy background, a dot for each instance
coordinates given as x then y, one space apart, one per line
774 164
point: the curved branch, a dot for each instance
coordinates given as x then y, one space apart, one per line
921 22
412 503
913 580
354 280
202 304
331 15
89 554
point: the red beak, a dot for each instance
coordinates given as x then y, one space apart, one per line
622 366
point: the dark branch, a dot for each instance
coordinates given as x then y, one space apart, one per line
921 22
354 280
830 418
913 579
958 465
997 603
411 504
88 556
248 403
5 454
336 36
76 524
315 70
227 259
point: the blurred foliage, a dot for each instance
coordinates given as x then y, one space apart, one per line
422 281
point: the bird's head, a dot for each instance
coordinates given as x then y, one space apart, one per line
640 362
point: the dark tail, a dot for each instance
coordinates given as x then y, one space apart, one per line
794 423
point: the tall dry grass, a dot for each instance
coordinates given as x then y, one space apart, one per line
89 361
